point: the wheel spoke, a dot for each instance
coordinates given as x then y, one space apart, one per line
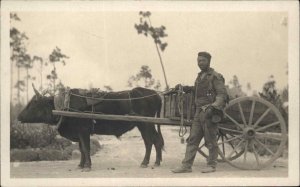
267 126
263 145
223 145
231 145
275 136
234 150
234 121
242 114
262 117
246 150
231 130
229 140
251 113
256 155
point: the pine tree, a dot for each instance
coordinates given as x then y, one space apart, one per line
145 27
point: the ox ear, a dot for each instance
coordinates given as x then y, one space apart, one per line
35 91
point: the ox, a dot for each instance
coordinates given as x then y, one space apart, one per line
39 110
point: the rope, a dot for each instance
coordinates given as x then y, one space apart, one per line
102 99
134 98
182 129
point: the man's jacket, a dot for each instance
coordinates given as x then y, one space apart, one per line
209 89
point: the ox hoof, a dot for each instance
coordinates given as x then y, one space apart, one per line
144 166
79 167
86 169
156 165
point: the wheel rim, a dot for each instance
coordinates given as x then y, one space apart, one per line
253 123
225 147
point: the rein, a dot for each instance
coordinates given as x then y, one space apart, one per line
127 99
103 99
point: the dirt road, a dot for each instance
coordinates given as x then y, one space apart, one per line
121 159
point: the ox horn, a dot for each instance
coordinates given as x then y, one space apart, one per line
35 91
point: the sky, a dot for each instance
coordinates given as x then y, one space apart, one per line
105 49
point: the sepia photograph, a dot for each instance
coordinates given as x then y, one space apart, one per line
149 93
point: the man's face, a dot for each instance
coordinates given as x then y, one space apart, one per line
203 63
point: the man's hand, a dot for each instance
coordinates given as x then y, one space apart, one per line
213 114
209 112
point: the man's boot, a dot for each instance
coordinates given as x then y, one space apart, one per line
208 169
182 170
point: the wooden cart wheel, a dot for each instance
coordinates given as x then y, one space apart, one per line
256 129
225 147
253 128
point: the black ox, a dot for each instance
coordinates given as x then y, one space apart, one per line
39 110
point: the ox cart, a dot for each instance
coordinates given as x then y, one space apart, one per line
252 133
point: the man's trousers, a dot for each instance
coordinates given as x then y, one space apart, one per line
201 127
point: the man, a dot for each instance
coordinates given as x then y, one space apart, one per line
210 99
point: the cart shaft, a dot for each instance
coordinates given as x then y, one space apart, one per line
163 121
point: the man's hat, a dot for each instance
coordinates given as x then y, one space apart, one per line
205 54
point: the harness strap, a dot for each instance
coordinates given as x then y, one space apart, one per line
130 103
93 107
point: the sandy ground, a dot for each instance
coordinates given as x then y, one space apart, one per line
121 159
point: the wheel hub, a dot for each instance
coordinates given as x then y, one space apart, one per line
249 133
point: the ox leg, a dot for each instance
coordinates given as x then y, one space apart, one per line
148 145
82 157
85 144
158 148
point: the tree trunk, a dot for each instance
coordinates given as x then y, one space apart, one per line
161 62
18 86
27 85
162 66
54 78
11 81
41 74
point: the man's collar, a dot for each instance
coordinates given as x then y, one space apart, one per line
208 72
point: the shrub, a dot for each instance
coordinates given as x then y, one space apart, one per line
59 143
33 142
27 155
95 146
52 154
62 142
62 151
23 155
67 151
31 135
75 154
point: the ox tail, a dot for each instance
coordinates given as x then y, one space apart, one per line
161 138
159 131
